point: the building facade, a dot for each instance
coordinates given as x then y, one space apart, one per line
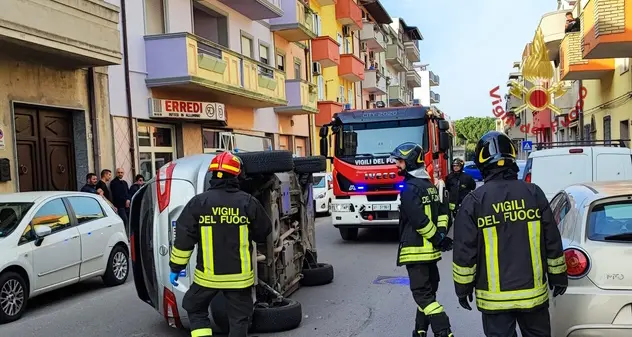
425 94
373 44
401 52
54 113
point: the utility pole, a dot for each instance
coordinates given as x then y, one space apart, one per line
580 112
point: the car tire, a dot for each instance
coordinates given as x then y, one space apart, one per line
283 317
14 281
329 208
349 234
117 270
312 164
266 162
321 274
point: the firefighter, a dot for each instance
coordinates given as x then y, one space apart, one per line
507 246
221 222
423 225
459 184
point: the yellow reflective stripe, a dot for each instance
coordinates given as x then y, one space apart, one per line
230 281
201 332
452 206
512 295
180 257
428 248
419 257
244 248
207 249
432 309
463 270
230 167
523 301
225 277
536 252
557 265
491 258
462 279
442 218
442 224
430 229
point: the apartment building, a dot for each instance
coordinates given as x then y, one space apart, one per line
210 75
518 124
425 94
401 51
55 117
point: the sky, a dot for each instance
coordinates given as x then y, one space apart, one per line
471 45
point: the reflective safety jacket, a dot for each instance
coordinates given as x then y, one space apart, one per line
221 222
506 243
459 184
422 217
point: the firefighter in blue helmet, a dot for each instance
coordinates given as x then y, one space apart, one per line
507 246
423 225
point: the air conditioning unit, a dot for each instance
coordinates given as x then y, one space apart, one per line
317 69
372 97
346 32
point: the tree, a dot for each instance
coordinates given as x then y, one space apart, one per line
471 129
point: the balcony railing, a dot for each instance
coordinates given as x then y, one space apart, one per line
395 57
297 23
348 13
185 60
434 97
411 49
398 95
434 79
413 79
301 98
574 67
374 82
373 37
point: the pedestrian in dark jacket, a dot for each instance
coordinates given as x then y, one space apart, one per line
459 184
139 181
91 184
106 176
120 194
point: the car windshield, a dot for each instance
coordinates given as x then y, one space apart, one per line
380 138
11 215
610 219
319 181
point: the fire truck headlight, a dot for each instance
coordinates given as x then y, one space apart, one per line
341 207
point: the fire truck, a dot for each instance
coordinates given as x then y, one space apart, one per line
366 185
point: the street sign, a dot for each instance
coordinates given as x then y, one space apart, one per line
527 145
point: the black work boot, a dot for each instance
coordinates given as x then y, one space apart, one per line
445 333
420 333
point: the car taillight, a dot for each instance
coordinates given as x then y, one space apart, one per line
576 151
132 247
163 185
527 178
577 263
170 309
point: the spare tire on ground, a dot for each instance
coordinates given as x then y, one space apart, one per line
318 275
312 164
283 316
266 162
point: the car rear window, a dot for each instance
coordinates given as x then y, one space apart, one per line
611 221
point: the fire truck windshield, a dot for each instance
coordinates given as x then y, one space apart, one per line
377 138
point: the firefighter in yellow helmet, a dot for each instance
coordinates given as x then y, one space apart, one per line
507 246
423 228
221 222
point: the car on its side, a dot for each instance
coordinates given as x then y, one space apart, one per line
49 240
595 221
322 191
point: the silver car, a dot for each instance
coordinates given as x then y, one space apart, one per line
285 262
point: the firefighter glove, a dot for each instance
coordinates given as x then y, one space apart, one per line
445 245
558 290
465 302
173 278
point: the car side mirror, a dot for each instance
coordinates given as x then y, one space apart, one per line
323 132
444 141
444 125
324 147
41 231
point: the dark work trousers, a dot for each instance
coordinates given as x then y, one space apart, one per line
122 212
532 324
239 308
424 282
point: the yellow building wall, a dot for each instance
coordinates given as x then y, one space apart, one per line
611 89
331 28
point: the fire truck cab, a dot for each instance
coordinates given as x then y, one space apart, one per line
365 181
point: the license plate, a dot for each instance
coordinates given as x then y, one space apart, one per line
382 207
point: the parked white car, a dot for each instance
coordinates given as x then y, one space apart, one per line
322 192
49 240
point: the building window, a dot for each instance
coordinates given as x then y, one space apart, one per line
284 142
246 46
154 17
321 88
607 131
281 62
301 146
156 147
340 44
264 56
297 68
347 46
317 25
341 94
350 97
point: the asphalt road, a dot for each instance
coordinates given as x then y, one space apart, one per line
352 306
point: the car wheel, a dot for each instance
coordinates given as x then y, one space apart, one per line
329 208
277 317
349 234
312 164
13 297
118 267
321 274
266 162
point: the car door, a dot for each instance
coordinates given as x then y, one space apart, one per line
56 257
95 231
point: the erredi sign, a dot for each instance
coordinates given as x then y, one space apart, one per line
374 161
165 108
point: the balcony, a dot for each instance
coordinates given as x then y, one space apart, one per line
374 82
256 9
413 79
351 68
326 111
574 67
348 13
411 49
326 51
433 79
296 24
301 98
552 25
80 33
607 29
435 98
186 62
326 2
395 57
373 37
398 96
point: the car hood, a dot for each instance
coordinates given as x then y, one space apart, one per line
319 190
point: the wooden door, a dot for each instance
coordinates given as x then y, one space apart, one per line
45 150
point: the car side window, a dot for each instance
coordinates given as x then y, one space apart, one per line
52 214
86 209
556 205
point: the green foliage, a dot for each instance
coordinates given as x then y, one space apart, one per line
471 129
469 151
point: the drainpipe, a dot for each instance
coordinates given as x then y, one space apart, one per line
128 91
310 79
92 99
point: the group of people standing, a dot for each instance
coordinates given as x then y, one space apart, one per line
115 190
